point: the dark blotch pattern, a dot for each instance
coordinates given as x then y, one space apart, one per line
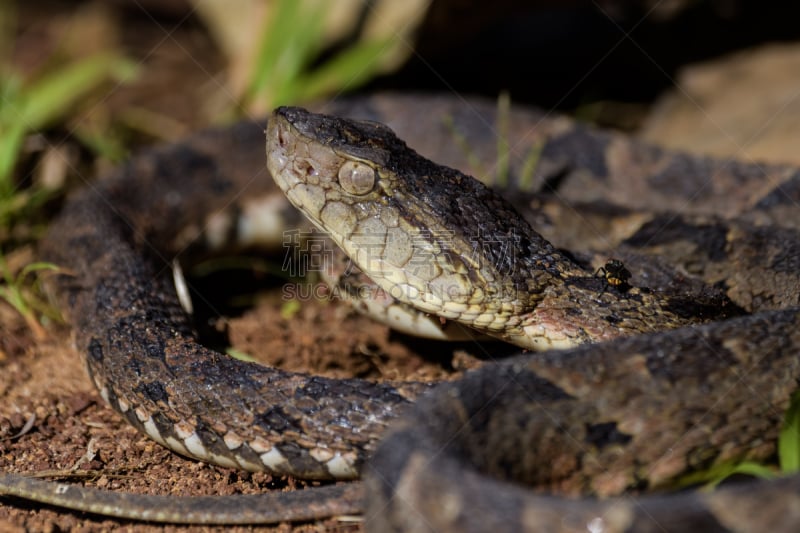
605 434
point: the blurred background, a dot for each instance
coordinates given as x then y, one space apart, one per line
82 83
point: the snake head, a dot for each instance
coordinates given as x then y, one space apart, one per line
316 159
428 235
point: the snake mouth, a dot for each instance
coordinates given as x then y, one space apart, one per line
304 167
294 155
279 137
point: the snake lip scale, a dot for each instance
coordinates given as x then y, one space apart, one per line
675 382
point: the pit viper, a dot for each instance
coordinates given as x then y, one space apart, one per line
622 406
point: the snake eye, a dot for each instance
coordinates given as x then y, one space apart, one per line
356 178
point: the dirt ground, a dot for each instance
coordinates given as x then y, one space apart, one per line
75 437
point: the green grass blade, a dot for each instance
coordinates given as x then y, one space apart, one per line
715 475
347 70
290 308
746 468
36 266
291 39
12 137
12 132
789 439
105 142
54 94
269 54
42 102
240 355
532 159
23 293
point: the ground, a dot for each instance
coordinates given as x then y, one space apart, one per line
77 437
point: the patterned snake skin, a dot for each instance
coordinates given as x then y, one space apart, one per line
630 414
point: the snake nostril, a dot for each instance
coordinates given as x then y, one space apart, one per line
305 167
282 138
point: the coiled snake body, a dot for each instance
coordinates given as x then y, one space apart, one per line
631 413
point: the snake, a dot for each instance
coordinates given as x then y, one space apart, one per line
637 384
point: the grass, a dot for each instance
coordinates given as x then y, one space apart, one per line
499 173
22 292
30 104
788 456
288 68
33 105
789 440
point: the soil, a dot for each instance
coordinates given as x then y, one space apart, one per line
76 437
